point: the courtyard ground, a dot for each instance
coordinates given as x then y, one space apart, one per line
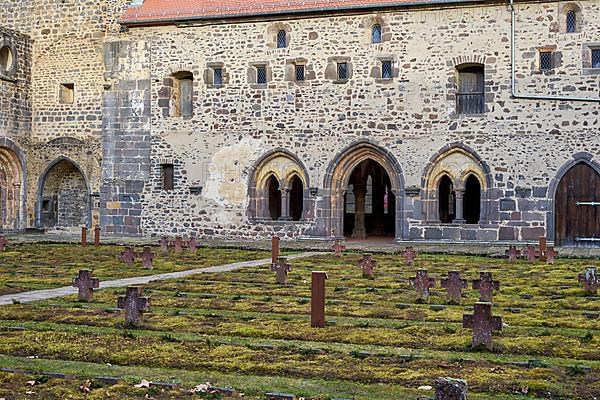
243 330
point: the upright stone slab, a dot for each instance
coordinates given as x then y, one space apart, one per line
85 284
164 244
409 256
590 280
338 248
483 324
551 255
97 236
178 244
192 244
368 265
147 257
422 283
3 243
281 269
450 389
317 303
134 305
274 249
543 244
513 254
531 253
454 285
127 256
486 285
84 230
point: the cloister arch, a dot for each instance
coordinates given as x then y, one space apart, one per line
12 187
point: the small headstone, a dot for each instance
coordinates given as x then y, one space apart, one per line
409 256
422 283
513 254
450 389
274 249
531 253
486 285
281 269
86 285
97 236
147 257
338 248
453 285
192 244
178 244
3 243
550 255
134 305
317 304
84 230
590 280
128 256
368 265
164 244
483 324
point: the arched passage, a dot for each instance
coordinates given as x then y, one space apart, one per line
11 190
447 200
472 200
296 198
274 197
63 197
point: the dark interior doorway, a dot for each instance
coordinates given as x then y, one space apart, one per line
472 200
274 198
296 199
446 200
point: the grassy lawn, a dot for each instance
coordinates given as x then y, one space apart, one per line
241 329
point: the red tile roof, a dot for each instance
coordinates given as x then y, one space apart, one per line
166 11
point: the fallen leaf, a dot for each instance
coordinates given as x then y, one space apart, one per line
143 384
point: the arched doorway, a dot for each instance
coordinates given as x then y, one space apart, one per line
63 199
296 199
577 207
472 201
11 190
274 198
447 200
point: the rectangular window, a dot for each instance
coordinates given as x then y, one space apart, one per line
66 93
281 39
261 75
342 69
186 91
595 58
300 73
545 60
168 176
386 70
218 76
470 97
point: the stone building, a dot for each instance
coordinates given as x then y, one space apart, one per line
422 120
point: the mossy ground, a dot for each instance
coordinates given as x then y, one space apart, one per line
242 329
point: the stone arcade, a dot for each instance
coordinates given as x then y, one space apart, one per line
356 119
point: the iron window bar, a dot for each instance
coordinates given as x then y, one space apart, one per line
281 39
587 203
386 70
376 34
545 60
261 75
342 71
595 58
300 73
584 239
571 22
470 103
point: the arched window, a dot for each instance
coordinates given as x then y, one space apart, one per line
274 198
296 198
376 34
571 21
470 96
472 200
281 39
446 200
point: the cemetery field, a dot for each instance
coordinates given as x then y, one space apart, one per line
44 266
243 330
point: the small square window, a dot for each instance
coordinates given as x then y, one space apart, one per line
218 76
342 69
386 70
168 176
261 75
545 60
67 93
300 76
281 39
595 58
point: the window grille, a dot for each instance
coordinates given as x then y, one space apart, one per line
261 75
571 22
281 39
470 97
300 73
545 60
386 70
596 58
342 71
218 76
376 34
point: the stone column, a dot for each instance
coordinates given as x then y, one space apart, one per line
285 205
459 217
360 231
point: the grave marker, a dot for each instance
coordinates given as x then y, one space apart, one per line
486 285
178 244
3 243
84 230
164 244
317 304
454 285
85 285
551 255
450 389
409 256
512 254
192 244
134 305
543 244
422 283
281 269
147 257
338 248
368 265
531 253
483 324
97 236
274 249
590 280
127 256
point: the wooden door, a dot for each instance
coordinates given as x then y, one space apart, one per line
577 208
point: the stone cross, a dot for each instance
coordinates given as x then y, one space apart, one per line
531 253
453 285
134 305
128 256
178 244
590 280
85 285
368 265
281 269
422 283
274 249
97 236
550 255
483 324
192 244
486 285
3 243
543 247
164 244
338 248
317 301
409 256
450 389
512 254
84 236
147 257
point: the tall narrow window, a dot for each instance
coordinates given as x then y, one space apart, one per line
342 71
376 34
446 200
274 198
296 199
350 200
471 202
261 75
571 22
300 73
470 98
386 69
281 39
545 60
167 176
369 196
183 93
595 58
218 77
